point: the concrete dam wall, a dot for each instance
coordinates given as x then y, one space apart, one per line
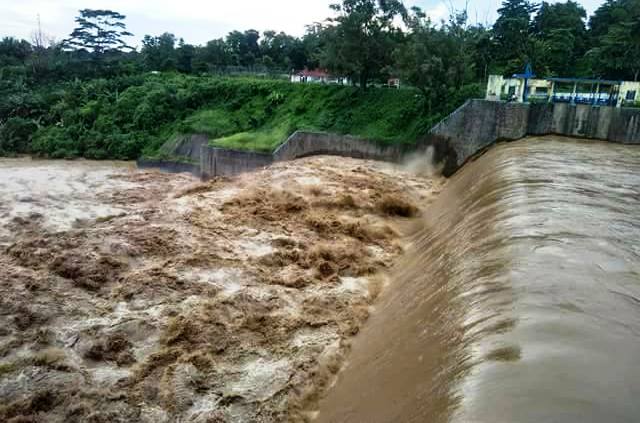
516 301
479 124
471 129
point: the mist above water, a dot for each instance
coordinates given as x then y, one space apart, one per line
423 163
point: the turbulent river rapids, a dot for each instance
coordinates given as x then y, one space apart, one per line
325 289
519 300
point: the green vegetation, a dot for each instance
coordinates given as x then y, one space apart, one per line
128 116
265 140
267 113
93 96
99 31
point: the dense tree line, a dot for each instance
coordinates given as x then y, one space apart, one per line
368 40
45 84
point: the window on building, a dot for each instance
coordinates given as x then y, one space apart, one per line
631 95
512 90
542 91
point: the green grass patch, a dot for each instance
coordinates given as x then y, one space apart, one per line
212 122
265 140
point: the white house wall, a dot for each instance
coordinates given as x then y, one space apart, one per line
627 86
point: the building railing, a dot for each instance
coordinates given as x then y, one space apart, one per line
585 98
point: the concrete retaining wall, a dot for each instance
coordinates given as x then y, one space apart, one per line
625 126
478 124
223 162
303 143
187 146
169 166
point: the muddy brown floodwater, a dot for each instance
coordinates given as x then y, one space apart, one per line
56 194
519 300
140 296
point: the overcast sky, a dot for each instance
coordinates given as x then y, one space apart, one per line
198 21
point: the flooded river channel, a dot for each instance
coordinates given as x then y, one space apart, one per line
139 296
519 300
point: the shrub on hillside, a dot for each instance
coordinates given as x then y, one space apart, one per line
16 135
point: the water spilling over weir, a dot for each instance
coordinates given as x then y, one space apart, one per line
519 300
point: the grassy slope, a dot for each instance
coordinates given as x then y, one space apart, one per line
126 118
262 114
